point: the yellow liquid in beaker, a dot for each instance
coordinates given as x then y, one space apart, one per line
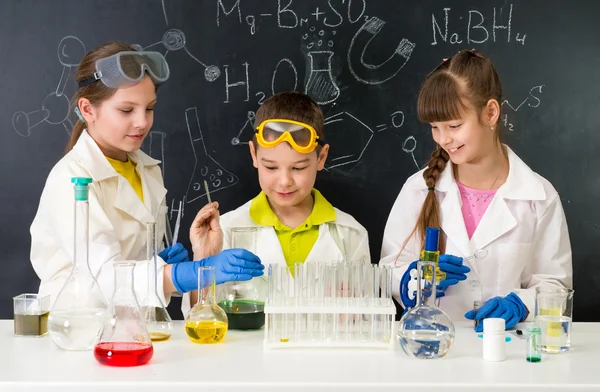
159 336
554 328
206 331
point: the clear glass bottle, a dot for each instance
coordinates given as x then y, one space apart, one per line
78 314
206 322
154 312
244 302
426 331
124 340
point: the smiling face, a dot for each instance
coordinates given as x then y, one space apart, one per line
120 123
466 140
286 176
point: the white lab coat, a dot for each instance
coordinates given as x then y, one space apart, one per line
523 229
341 240
117 218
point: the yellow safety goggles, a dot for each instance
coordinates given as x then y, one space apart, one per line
302 137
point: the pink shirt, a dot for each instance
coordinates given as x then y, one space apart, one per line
474 204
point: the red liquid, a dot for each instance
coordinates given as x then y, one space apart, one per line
123 353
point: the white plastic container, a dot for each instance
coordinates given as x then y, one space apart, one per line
494 343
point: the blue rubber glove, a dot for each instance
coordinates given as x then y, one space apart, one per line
174 254
451 265
230 264
510 308
407 302
454 269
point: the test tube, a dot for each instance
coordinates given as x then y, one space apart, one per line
322 301
343 300
354 277
375 325
271 300
297 299
334 294
284 278
368 294
309 284
386 297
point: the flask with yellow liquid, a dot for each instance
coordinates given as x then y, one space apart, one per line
206 322
431 253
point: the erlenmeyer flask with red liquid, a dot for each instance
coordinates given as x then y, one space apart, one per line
125 340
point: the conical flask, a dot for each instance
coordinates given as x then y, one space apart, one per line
426 331
206 322
124 340
80 310
320 85
158 321
244 302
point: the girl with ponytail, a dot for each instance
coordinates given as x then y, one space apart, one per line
480 195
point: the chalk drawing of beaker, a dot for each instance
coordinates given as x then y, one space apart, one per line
320 85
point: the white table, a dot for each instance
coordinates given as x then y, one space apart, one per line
241 364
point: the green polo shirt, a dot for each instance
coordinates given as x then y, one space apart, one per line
295 243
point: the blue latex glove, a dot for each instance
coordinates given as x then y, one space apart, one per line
174 254
451 265
407 302
510 308
230 264
454 269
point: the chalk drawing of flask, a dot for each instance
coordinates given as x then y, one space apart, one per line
320 85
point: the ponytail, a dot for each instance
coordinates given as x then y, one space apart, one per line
430 211
96 93
75 134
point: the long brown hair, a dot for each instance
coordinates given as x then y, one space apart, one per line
95 92
467 80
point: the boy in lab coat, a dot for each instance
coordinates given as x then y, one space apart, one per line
294 221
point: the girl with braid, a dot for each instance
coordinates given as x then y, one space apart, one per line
480 195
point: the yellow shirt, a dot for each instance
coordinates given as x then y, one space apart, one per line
127 170
295 243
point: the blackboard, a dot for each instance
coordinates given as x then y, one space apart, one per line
362 60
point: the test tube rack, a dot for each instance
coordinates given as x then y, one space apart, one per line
329 305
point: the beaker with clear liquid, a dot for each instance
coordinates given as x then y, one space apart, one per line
425 331
206 322
554 316
124 340
78 314
157 319
244 302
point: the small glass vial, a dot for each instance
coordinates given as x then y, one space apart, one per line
476 306
533 353
494 343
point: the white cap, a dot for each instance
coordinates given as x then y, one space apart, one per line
493 325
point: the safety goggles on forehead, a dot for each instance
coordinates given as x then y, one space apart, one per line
126 68
302 137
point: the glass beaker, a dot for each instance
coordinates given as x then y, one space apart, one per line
533 337
80 309
206 322
244 302
426 331
157 319
553 315
31 314
124 340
